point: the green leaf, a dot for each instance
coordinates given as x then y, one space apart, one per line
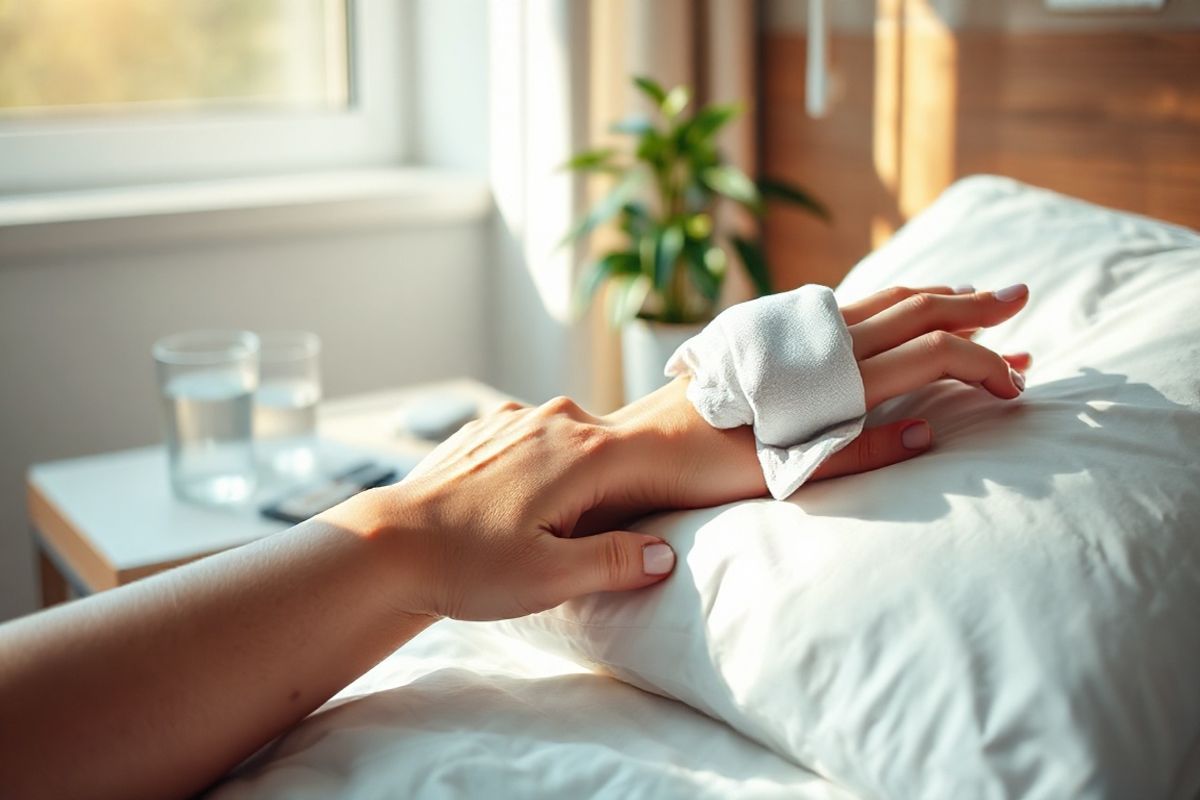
668 244
608 207
675 101
772 189
627 297
733 183
637 125
635 220
590 159
708 283
755 263
651 88
596 273
701 153
654 149
711 119
647 247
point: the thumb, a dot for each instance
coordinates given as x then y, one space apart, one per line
611 562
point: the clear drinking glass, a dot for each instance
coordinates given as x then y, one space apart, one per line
207 381
285 404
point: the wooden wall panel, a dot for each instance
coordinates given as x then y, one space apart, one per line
1110 117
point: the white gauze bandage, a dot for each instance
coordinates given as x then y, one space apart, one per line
785 365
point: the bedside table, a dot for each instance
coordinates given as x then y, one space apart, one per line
103 521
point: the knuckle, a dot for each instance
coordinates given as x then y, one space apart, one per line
938 343
869 449
561 405
980 356
615 559
897 293
998 363
921 304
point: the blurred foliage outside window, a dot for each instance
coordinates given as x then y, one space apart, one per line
120 56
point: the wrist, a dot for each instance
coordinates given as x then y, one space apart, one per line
394 538
688 463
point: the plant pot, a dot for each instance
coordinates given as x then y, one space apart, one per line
646 347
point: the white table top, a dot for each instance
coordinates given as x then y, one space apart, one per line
122 506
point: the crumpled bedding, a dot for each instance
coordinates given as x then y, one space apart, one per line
1013 614
463 711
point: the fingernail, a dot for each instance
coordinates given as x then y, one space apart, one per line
657 559
1018 379
1010 293
964 289
916 436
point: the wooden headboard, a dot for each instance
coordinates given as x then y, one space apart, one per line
1111 116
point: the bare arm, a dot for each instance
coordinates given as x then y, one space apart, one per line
158 688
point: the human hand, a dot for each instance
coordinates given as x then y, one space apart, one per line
906 338
485 522
481 527
902 339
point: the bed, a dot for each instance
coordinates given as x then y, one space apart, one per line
1014 614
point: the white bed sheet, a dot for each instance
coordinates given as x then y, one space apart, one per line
465 711
1013 612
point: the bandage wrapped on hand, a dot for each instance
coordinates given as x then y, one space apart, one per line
785 365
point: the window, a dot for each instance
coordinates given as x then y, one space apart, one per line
104 92
162 56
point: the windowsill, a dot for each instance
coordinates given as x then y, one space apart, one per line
38 225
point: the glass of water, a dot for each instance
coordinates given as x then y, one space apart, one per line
207 381
285 404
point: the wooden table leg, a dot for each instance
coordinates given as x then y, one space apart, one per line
54 585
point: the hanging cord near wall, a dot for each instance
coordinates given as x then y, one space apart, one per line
816 85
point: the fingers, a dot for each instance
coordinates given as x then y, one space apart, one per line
878 447
854 313
921 313
610 562
932 357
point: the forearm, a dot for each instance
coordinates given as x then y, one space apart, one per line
158 688
677 460
688 463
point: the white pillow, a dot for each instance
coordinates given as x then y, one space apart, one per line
1015 613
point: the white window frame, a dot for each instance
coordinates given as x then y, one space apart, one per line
61 154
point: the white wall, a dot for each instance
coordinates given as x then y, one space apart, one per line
538 91
392 306
450 94
76 376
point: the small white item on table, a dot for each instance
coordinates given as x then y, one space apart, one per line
437 417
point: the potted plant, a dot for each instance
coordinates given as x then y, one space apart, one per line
665 278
